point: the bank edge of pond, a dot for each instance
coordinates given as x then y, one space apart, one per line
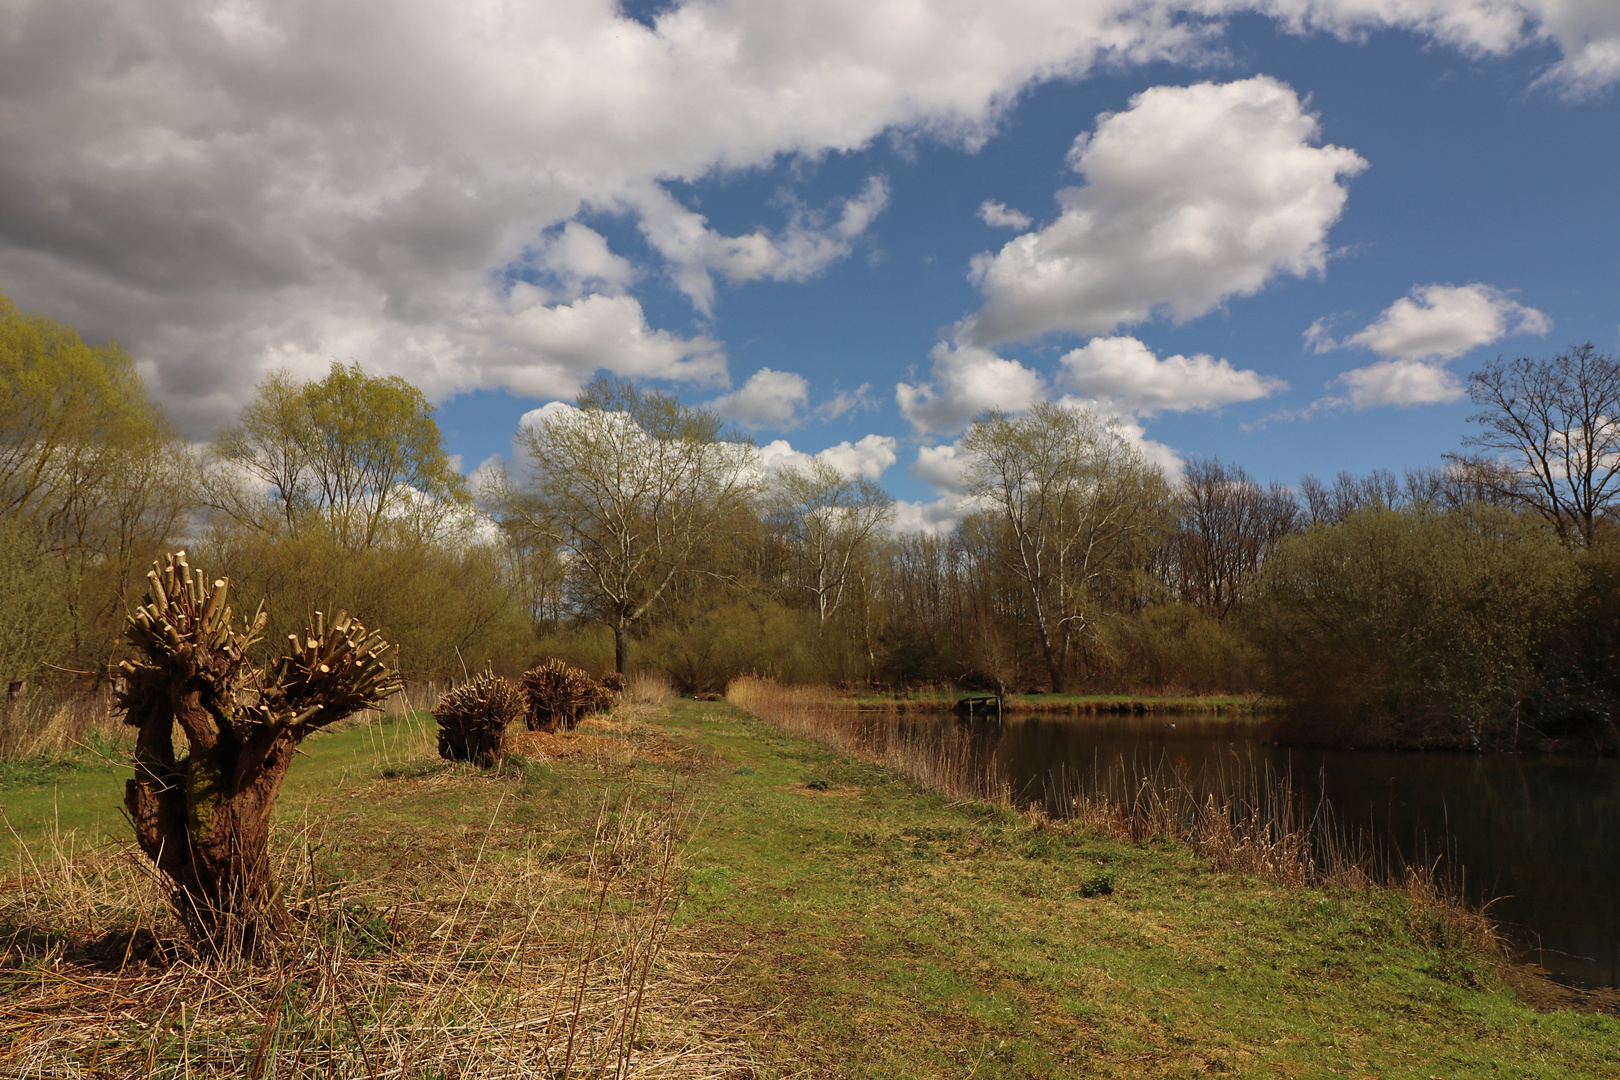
886 927
1066 704
1534 985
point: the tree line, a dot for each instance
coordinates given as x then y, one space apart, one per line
1474 603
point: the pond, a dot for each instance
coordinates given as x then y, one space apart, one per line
1537 836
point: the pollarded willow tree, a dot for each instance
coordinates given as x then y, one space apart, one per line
629 487
204 818
1078 508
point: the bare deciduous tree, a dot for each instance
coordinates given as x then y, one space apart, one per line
629 487
1079 505
1550 432
1228 525
827 520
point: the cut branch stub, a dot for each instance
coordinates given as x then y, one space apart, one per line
473 718
204 818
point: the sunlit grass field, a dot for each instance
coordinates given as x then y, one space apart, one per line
824 918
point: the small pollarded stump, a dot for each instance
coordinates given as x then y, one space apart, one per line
559 694
204 818
609 690
473 718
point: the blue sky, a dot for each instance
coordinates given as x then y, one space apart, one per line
495 201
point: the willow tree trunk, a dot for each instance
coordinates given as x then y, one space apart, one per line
204 818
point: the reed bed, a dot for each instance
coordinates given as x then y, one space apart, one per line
937 757
1241 817
57 724
650 688
497 960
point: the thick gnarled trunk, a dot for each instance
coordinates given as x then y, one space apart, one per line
204 818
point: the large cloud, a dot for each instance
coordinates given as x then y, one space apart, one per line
968 379
768 399
1123 373
1397 382
1438 322
867 458
541 349
233 184
1192 195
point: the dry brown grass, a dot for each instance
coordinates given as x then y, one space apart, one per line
58 723
649 688
938 758
491 960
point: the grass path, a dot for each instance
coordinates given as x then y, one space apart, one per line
875 930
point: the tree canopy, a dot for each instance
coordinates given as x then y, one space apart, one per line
630 484
354 454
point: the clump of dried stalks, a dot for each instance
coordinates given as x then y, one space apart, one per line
1243 820
559 694
649 688
503 960
58 723
473 718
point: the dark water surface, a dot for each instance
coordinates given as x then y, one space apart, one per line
1538 835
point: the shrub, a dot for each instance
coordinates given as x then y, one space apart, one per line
559 694
473 718
1413 627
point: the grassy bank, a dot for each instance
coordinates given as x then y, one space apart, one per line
831 919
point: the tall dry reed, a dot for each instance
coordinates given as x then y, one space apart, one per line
649 688
58 723
508 963
941 758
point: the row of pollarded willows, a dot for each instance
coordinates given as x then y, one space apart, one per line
522 967
474 715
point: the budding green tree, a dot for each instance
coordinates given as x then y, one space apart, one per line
358 456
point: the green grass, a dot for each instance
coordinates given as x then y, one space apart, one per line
872 929
888 932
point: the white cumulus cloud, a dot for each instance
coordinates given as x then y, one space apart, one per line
967 380
1193 194
1125 374
1000 216
1398 382
234 185
768 399
541 349
805 248
868 458
1438 322
942 466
